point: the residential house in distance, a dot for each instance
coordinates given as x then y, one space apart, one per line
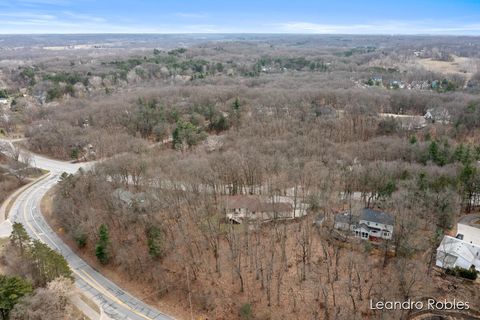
368 224
241 208
125 198
438 115
407 122
419 53
395 84
375 81
464 250
419 85
435 84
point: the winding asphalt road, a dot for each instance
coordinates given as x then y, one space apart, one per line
115 302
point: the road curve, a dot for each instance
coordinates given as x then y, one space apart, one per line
115 302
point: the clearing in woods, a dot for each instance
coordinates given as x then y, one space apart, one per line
460 65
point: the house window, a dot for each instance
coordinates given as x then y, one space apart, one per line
364 235
385 234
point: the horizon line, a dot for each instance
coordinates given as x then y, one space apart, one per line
243 33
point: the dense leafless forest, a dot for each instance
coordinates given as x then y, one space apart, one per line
179 124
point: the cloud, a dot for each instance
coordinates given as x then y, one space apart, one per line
26 15
62 20
190 15
32 21
68 22
385 27
86 17
40 2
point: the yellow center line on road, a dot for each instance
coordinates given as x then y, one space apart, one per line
99 287
26 220
95 284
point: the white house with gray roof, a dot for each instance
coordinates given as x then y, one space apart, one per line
367 224
453 252
463 250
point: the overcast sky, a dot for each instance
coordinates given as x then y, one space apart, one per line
246 16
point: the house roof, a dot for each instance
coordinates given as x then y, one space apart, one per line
123 195
467 252
376 216
128 197
240 202
255 204
437 113
364 226
275 207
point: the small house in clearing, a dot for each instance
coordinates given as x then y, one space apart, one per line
438 115
367 224
240 208
407 122
125 198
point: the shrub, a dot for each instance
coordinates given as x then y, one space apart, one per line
470 274
3 94
81 239
246 311
155 242
367 246
101 250
466 273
